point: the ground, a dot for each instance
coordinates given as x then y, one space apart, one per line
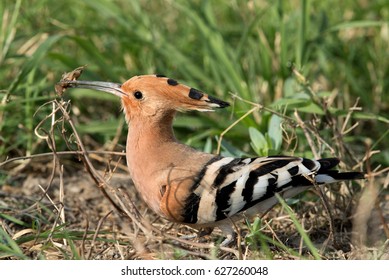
89 226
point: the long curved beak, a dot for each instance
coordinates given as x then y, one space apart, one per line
113 88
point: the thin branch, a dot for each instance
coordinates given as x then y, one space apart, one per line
100 181
61 153
98 228
307 135
219 142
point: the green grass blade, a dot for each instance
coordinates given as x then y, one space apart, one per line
357 24
34 61
13 219
8 29
9 248
299 228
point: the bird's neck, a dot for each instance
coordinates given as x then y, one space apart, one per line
155 158
150 143
152 132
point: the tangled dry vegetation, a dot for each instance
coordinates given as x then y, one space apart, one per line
81 204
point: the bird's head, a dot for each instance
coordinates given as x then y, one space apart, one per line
152 95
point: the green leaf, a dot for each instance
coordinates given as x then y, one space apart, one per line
370 116
290 103
208 145
311 108
258 142
230 150
275 132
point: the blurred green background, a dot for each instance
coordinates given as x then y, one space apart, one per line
247 48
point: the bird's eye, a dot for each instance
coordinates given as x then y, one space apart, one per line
138 95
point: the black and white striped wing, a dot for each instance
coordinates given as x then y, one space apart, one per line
227 186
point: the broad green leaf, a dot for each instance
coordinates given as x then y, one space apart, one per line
275 132
290 103
258 142
231 151
311 108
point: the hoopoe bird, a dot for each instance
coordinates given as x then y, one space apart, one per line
192 187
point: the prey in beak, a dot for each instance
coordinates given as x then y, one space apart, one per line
113 88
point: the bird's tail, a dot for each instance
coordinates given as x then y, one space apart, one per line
326 175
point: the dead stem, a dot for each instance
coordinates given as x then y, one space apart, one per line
219 142
63 153
84 236
307 135
364 208
98 228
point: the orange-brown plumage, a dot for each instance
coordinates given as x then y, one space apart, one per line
192 187
159 165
